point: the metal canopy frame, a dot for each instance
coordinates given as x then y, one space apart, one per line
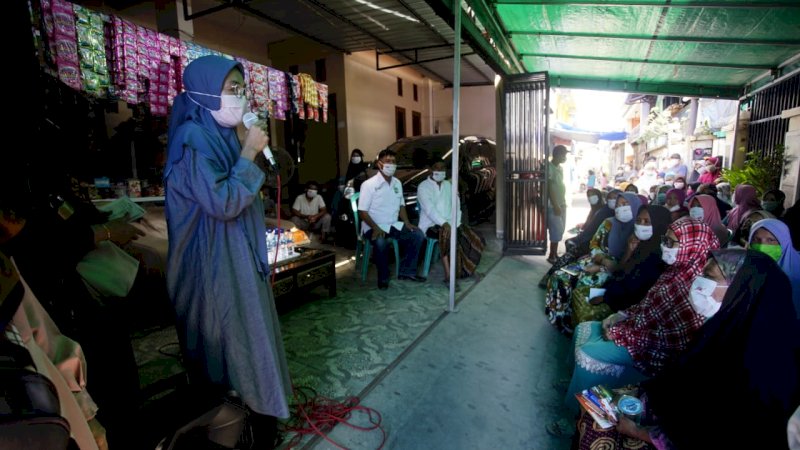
406 56
646 46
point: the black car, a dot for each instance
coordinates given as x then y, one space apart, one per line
477 171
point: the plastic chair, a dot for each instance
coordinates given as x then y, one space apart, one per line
364 245
431 250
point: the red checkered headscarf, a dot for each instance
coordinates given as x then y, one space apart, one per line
661 326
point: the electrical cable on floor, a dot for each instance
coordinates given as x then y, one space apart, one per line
316 415
313 414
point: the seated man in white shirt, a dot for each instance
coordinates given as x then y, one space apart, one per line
379 206
309 212
434 197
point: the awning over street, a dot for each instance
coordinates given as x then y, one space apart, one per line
707 48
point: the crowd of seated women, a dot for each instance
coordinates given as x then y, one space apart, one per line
693 305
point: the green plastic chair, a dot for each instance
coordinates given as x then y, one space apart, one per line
431 250
364 245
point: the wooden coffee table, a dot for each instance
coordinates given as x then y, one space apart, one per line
298 276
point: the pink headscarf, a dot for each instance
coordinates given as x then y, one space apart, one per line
711 217
746 199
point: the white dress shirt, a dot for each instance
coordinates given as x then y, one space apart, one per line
382 201
434 204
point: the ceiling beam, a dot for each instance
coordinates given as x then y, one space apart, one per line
428 25
640 87
415 62
488 18
471 34
699 40
650 61
241 4
663 4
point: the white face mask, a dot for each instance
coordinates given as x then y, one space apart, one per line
311 193
231 111
355 159
389 169
438 176
679 185
669 255
696 213
624 213
700 297
674 208
612 203
643 232
593 199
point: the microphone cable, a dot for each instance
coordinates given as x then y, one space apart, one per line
312 414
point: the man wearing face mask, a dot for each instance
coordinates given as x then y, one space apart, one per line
435 205
557 204
309 212
379 206
676 166
217 268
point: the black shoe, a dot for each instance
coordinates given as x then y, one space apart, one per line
412 278
383 285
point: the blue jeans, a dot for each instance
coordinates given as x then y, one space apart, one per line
410 243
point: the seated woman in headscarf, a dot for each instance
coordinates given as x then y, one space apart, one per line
711 189
680 184
772 202
592 270
746 199
704 208
742 235
661 195
579 245
640 267
712 173
744 359
675 199
641 340
772 237
356 170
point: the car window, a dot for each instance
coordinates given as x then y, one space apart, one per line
420 153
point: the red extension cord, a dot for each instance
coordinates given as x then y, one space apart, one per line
318 415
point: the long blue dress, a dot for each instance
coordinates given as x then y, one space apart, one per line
217 269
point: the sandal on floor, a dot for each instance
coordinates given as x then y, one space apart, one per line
561 428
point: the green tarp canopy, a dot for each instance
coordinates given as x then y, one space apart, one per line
679 47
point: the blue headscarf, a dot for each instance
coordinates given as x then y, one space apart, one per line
790 258
620 231
203 81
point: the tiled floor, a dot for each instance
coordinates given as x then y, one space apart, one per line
478 378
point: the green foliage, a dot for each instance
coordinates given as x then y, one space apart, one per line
762 172
657 124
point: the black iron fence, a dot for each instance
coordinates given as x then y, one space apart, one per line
767 129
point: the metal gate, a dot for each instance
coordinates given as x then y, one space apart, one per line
767 128
525 117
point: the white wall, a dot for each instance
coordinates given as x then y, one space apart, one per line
372 98
477 111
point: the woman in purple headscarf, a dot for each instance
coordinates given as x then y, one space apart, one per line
746 199
217 269
771 236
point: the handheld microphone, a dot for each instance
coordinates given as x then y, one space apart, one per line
249 119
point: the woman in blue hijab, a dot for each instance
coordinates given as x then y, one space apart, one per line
771 236
217 269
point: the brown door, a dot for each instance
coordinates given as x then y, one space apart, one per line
400 121
416 123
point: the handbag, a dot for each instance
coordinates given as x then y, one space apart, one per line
108 270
